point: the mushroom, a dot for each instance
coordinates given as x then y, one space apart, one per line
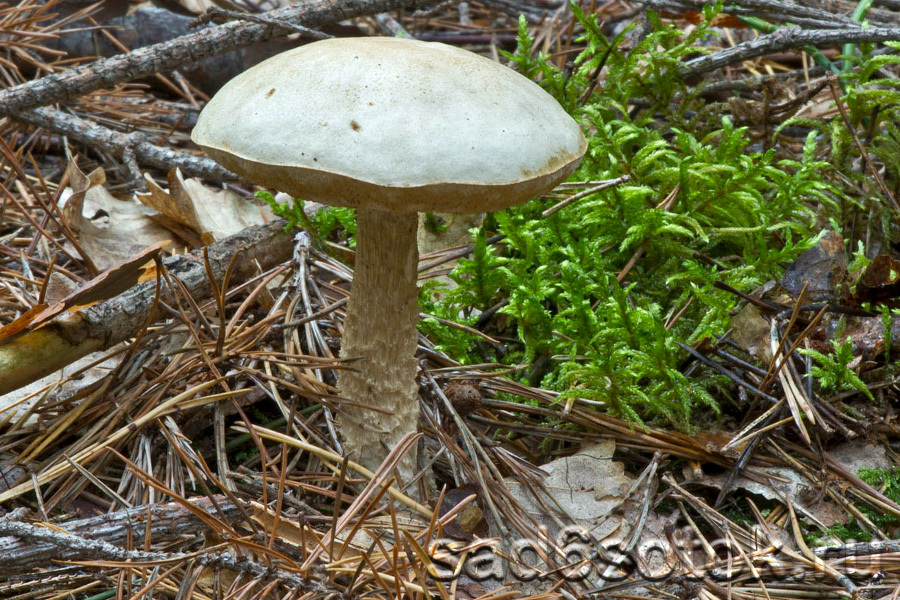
391 127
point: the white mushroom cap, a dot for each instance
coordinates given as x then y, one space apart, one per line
392 124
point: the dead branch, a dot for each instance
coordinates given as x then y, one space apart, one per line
167 522
769 9
70 548
123 145
832 15
73 335
785 39
220 15
187 49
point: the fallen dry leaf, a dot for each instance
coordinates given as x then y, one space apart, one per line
213 214
777 483
823 267
21 403
588 486
110 231
469 522
880 281
111 282
454 231
751 332
587 491
58 287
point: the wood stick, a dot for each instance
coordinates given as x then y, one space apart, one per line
123 145
784 39
167 523
72 335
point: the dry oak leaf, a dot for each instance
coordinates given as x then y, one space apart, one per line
213 214
110 231
349 542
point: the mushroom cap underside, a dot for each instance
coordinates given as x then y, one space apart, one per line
338 190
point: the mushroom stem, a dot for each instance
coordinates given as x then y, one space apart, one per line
380 328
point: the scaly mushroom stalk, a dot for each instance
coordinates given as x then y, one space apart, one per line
380 328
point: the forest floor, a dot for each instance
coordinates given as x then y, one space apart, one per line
670 377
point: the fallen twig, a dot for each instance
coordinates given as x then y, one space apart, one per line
73 335
105 554
123 145
160 522
769 9
784 39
